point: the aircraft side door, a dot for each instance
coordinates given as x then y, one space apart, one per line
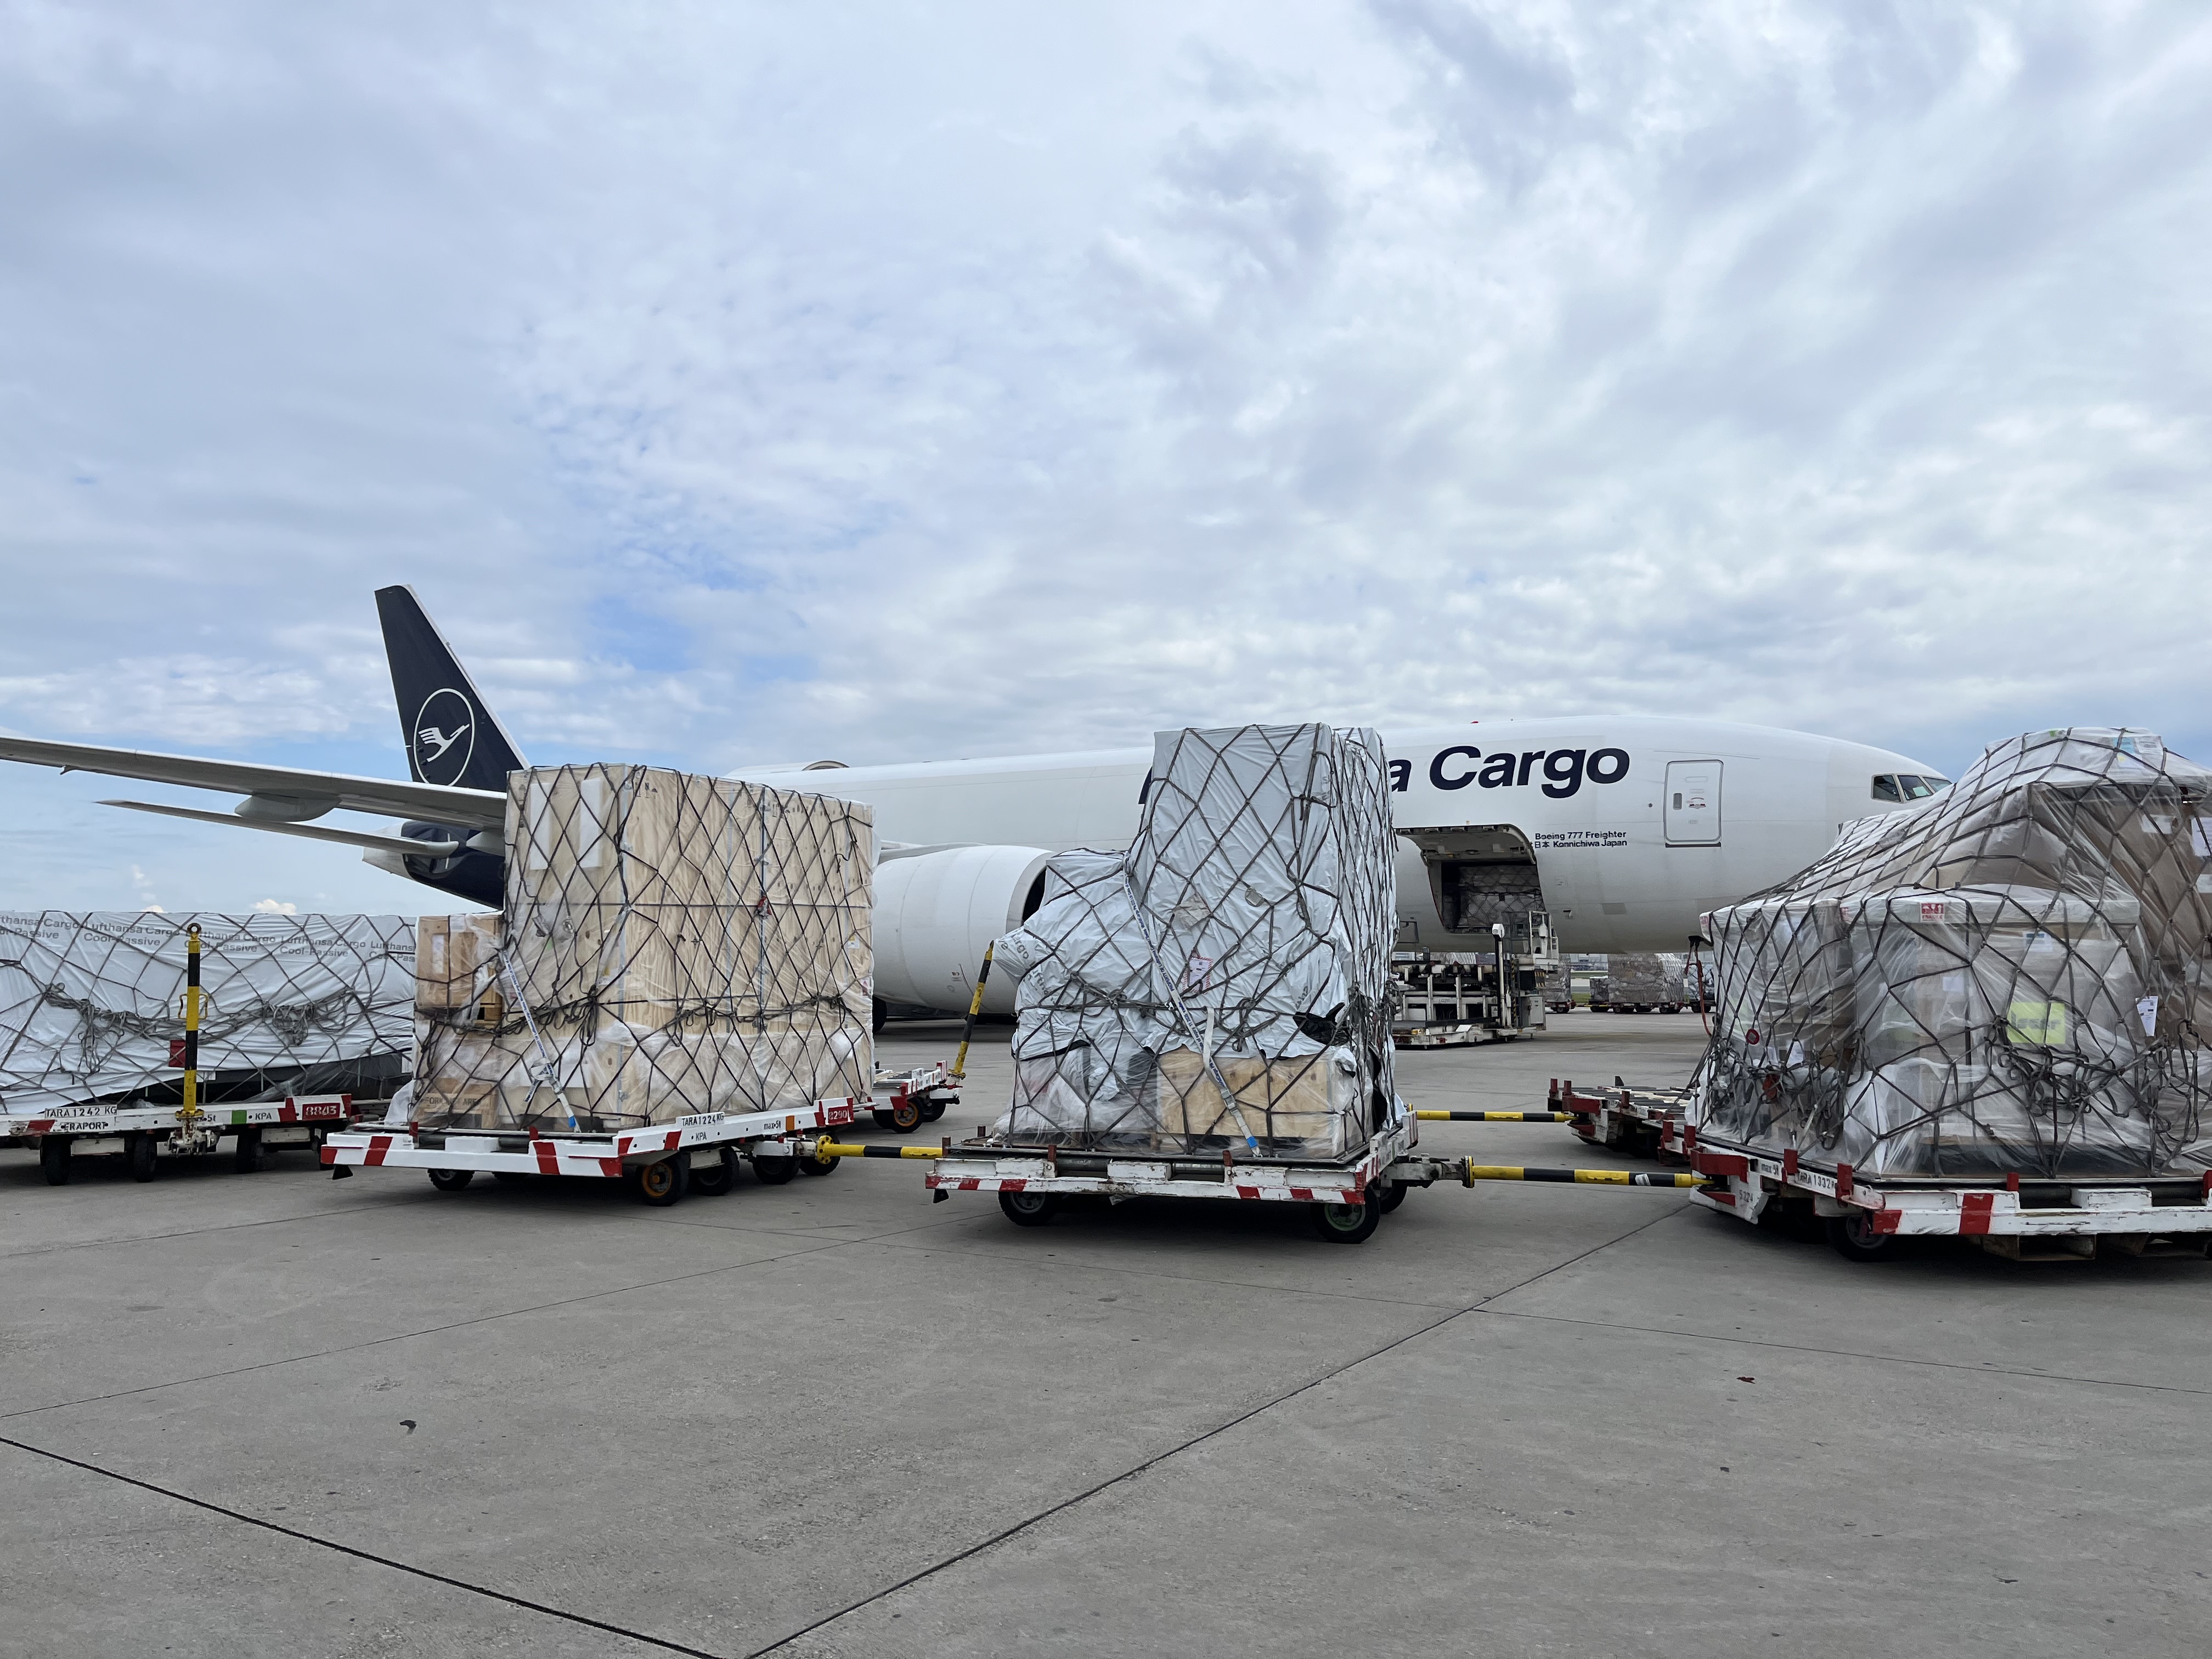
1692 809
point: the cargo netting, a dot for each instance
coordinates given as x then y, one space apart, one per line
2007 978
92 1006
1225 984
668 946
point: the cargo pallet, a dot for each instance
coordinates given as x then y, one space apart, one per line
145 1134
656 1159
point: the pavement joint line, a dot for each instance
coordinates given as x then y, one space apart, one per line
1199 1439
244 1519
431 1330
1850 1353
195 1232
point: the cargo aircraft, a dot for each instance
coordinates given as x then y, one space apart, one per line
1621 829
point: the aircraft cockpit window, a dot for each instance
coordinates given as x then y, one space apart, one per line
1915 789
1884 788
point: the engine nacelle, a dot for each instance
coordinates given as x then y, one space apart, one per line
936 913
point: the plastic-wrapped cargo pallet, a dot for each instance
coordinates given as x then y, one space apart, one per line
1224 983
668 946
90 1005
2011 977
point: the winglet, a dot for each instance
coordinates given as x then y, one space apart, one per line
450 734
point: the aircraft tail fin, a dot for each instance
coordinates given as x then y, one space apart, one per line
451 735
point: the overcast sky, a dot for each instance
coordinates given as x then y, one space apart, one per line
894 381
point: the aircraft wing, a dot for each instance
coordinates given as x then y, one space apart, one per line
290 794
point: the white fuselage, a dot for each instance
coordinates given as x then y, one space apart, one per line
1637 823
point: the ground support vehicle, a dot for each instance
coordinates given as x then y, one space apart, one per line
2029 1219
1459 998
147 1134
1455 1002
906 1100
662 1161
1644 1122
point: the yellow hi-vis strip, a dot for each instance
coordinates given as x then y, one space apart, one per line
826 1147
1471 1172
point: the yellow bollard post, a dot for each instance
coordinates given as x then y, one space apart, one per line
191 1106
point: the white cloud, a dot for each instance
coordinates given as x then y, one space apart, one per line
269 907
738 383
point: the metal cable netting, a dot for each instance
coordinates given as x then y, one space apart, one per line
2007 978
1225 984
669 945
91 1006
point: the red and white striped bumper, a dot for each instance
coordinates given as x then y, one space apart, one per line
601 1156
1138 1178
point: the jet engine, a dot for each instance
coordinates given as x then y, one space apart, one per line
938 908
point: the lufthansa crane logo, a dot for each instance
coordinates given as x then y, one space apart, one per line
444 737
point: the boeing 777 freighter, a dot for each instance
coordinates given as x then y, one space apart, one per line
1623 828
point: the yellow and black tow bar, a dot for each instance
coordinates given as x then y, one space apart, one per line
827 1148
1496 1117
1469 1172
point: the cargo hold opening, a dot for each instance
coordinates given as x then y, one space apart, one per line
1479 875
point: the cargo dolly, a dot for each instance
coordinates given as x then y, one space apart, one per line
1344 1202
145 1134
2028 1219
662 1161
1642 1122
905 1100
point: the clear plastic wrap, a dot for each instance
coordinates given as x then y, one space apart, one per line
668 946
1224 983
2007 978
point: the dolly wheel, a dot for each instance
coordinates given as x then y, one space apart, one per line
54 1160
1347 1224
246 1158
772 1170
905 1115
815 1165
450 1181
717 1176
933 1111
1029 1209
138 1155
1394 1196
662 1183
1856 1240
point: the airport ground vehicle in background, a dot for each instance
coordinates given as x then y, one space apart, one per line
1456 998
1642 982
